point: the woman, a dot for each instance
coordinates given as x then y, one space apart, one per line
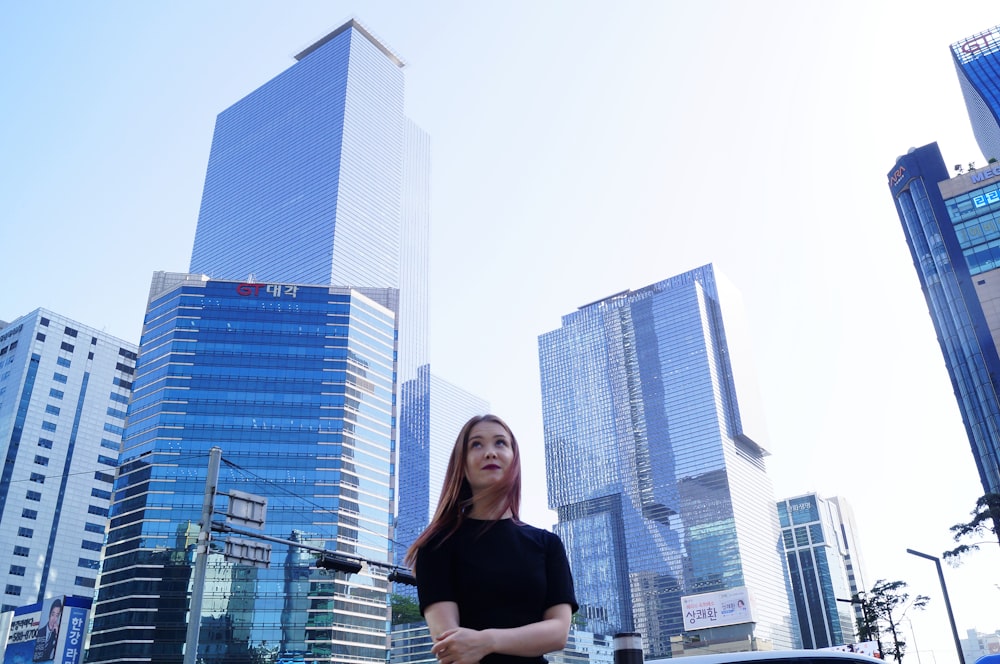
491 588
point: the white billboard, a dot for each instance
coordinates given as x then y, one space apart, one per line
724 607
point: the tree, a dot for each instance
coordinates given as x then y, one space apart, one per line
885 599
404 610
985 521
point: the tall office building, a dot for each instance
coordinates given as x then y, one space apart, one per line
318 177
64 388
952 227
854 560
977 61
439 409
817 564
662 496
296 385
315 179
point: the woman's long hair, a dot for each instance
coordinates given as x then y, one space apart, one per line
456 493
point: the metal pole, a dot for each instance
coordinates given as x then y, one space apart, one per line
201 557
628 648
947 602
916 648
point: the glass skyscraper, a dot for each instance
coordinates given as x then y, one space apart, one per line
438 410
663 500
296 385
952 227
977 61
318 177
64 390
817 555
316 183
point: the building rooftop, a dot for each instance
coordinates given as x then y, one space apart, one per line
353 23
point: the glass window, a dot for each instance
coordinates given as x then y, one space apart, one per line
29 514
22 551
25 532
64 362
56 394
60 378
16 570
33 495
12 590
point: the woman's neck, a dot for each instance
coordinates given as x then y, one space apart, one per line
489 512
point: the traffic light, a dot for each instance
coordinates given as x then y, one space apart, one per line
338 563
400 575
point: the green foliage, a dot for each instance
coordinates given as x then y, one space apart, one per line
404 610
985 521
884 606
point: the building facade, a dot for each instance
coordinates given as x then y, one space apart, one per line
660 486
977 62
437 409
64 390
318 177
952 227
296 385
818 558
978 644
854 560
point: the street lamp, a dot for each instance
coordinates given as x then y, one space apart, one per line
947 602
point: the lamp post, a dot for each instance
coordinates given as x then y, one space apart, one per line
947 602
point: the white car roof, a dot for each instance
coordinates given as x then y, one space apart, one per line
761 656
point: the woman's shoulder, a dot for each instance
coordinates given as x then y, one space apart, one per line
539 535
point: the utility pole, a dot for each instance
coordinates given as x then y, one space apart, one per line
201 557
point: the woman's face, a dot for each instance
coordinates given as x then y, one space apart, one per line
489 455
55 613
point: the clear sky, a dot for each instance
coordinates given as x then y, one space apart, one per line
579 149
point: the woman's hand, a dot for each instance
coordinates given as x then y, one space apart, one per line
462 646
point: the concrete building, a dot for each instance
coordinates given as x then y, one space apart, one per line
64 390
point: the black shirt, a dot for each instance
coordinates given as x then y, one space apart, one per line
501 575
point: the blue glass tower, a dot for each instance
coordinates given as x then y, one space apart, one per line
661 492
317 177
64 389
977 61
426 439
817 563
952 227
296 385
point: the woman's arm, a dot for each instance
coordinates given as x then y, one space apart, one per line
460 645
441 617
